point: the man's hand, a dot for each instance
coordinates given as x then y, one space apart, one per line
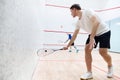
65 48
91 43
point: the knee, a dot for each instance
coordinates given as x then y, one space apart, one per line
103 52
87 50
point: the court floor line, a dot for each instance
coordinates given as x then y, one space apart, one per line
105 71
115 76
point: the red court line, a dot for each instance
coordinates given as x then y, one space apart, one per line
79 61
115 76
118 7
62 31
56 6
62 60
54 44
105 71
59 6
60 45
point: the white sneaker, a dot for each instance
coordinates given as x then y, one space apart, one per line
87 75
110 72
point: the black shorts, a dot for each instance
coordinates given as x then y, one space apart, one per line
103 40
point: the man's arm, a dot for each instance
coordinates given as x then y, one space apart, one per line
73 37
95 24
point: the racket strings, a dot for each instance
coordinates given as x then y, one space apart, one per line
44 52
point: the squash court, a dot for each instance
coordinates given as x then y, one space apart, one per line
64 65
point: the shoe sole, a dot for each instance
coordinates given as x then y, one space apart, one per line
86 79
109 77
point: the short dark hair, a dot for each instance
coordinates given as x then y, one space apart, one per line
76 6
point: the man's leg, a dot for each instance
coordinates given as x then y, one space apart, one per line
104 53
88 60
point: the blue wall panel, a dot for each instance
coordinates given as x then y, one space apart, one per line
115 34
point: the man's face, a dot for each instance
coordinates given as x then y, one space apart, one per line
73 12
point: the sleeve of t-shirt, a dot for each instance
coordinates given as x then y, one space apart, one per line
90 13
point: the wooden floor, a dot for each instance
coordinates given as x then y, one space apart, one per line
64 65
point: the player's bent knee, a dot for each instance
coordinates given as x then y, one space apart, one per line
103 50
87 49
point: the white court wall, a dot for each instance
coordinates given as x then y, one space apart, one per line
19 38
